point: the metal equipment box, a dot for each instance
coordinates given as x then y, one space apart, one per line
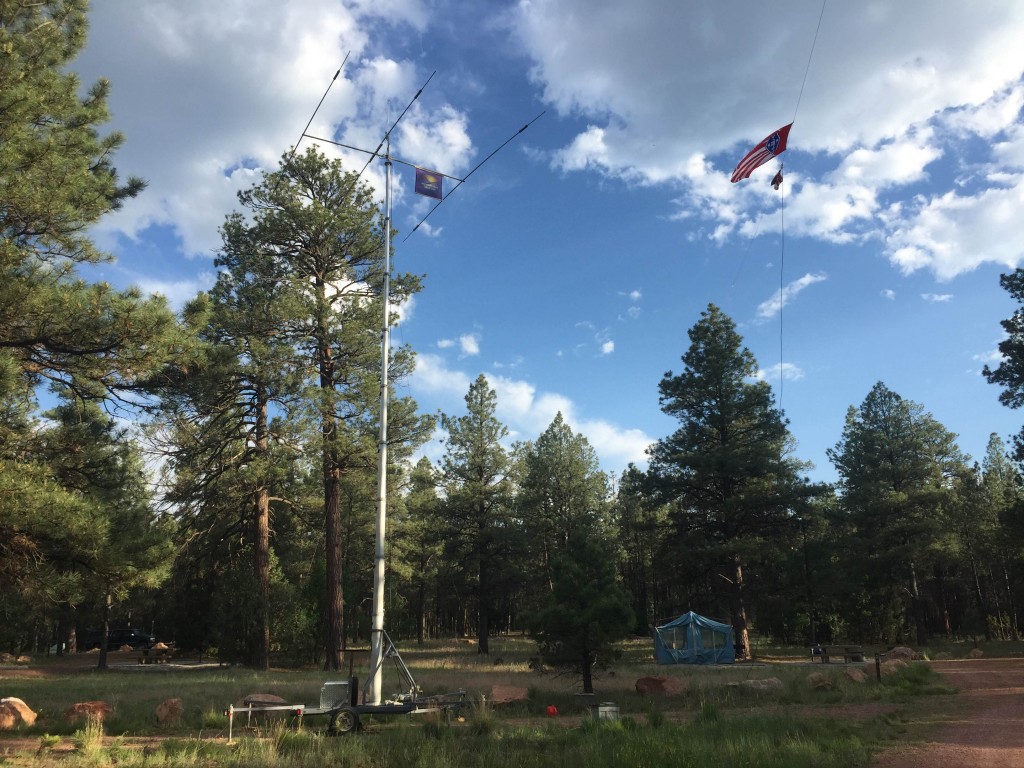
334 694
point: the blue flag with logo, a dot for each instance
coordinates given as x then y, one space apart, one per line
428 183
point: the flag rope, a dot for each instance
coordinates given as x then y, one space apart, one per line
810 57
782 213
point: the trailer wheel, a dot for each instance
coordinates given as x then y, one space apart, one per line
344 720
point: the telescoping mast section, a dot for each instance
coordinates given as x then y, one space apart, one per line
381 646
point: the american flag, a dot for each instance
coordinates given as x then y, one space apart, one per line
773 145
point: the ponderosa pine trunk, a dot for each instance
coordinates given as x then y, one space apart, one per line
260 658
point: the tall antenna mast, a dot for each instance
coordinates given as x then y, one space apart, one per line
377 628
378 650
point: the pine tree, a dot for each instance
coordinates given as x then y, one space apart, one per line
562 490
587 609
895 462
316 229
57 179
475 472
726 471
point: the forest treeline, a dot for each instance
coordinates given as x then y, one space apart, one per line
211 475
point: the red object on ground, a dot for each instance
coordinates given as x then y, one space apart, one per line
552 710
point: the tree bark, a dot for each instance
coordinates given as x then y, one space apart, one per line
261 640
104 638
739 618
332 516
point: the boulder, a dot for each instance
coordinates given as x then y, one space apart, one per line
25 714
820 681
855 675
508 694
88 710
169 711
892 666
902 653
24 660
764 684
7 658
661 686
160 646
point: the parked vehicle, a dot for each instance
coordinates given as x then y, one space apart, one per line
117 638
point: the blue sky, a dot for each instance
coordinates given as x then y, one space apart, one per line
569 268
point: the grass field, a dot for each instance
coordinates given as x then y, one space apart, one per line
828 720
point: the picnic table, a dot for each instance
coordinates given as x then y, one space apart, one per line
829 653
155 655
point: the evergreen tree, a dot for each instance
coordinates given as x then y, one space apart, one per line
318 229
475 472
57 179
895 465
640 524
97 463
418 544
586 610
726 471
1009 374
562 490
1001 483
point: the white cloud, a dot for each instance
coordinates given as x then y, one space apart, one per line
469 343
937 298
245 110
910 89
607 347
895 65
768 309
788 371
952 233
433 377
991 358
527 412
177 292
888 293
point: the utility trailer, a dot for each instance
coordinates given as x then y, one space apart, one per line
339 702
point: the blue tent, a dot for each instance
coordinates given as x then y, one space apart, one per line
693 639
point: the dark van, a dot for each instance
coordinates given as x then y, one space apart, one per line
117 638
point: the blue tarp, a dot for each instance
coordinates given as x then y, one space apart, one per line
693 639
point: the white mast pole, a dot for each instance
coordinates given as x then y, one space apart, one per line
377 631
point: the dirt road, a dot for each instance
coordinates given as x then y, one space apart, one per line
983 729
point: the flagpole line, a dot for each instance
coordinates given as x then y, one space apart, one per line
474 170
810 56
329 86
782 282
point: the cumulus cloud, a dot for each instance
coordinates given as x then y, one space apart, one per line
888 293
527 412
908 89
193 61
607 347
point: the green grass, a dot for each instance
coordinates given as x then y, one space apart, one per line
712 720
